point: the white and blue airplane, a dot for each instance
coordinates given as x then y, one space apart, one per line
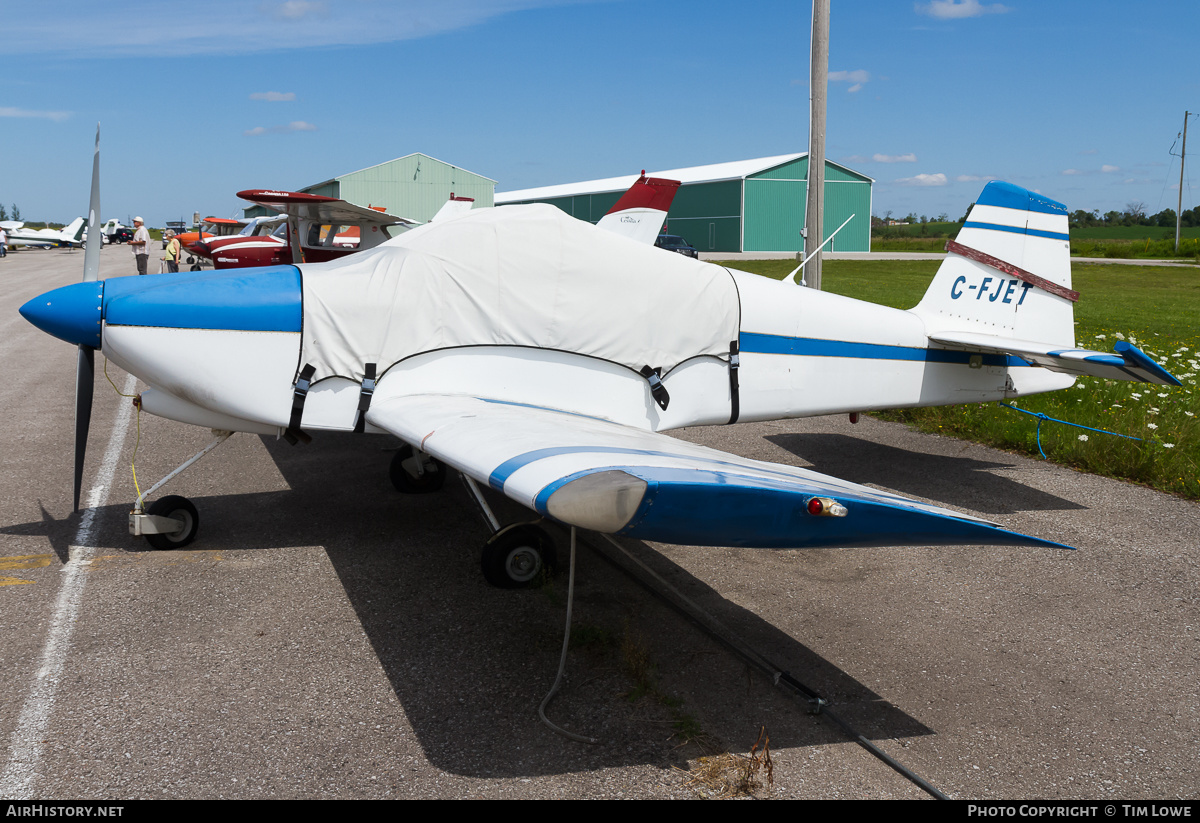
547 358
73 234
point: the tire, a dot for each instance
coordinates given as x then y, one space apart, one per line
176 508
405 478
518 556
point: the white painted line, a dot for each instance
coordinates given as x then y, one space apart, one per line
25 750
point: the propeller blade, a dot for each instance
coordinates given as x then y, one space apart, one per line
85 369
85 373
91 251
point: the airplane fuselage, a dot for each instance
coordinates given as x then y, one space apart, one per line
803 353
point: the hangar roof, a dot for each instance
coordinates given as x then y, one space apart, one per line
734 170
388 162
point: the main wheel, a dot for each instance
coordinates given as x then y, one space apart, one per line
518 556
176 508
414 473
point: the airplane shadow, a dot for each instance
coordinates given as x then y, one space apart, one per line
470 663
958 481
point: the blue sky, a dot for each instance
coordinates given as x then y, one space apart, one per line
1081 101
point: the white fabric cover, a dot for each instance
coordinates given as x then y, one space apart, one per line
515 276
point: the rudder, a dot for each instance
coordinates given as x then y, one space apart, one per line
1008 273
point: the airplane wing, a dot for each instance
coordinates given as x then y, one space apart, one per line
607 477
1128 363
320 209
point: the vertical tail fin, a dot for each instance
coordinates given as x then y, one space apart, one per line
453 207
73 231
1008 273
641 211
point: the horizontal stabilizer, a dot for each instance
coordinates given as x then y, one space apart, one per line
599 475
1127 363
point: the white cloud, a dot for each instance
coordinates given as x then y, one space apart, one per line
274 96
957 9
857 77
938 179
1071 171
295 9
1108 169
295 125
894 158
56 116
229 27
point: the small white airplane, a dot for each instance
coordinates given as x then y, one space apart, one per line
73 234
546 358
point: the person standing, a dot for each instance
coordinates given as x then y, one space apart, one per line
3 243
140 245
172 252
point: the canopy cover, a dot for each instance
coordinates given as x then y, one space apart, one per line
515 276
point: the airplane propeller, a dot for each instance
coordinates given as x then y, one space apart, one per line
85 366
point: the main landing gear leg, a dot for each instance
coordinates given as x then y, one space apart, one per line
516 556
172 521
415 472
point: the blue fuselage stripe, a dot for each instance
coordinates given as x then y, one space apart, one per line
817 347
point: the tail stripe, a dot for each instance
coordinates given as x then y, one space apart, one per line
1053 235
1008 196
1008 268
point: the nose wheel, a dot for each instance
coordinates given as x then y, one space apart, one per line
176 518
170 522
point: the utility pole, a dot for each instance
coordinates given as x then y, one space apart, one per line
1179 205
818 83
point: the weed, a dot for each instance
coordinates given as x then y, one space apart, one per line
728 776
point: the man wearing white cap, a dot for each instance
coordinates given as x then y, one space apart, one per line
140 245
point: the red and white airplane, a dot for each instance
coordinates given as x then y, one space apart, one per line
311 228
211 228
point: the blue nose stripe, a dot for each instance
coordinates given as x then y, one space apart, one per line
72 313
263 299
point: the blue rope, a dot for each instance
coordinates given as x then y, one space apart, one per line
1043 417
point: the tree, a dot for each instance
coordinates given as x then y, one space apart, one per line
16 212
963 219
1136 210
1164 219
3 212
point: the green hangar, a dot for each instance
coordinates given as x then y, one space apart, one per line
742 206
414 186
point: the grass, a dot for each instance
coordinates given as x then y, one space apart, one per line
1119 242
1154 307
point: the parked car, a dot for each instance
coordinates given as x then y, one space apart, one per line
121 235
675 243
